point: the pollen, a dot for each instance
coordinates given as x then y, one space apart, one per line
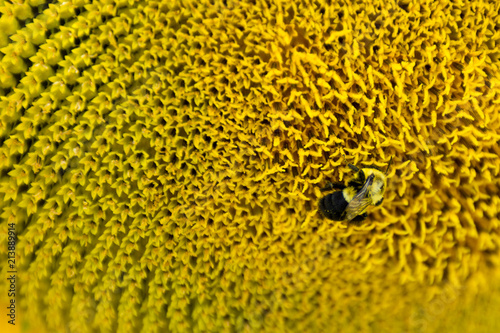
162 162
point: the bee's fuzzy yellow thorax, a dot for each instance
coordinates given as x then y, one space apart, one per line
378 186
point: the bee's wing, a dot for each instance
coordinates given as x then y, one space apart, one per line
357 207
360 202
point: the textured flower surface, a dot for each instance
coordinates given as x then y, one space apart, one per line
162 161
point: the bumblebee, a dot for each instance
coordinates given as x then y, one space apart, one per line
351 201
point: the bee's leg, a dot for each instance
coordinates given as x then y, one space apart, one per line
359 219
333 186
355 183
358 180
353 167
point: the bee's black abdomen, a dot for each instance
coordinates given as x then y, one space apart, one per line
333 206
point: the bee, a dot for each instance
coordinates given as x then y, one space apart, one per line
350 202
